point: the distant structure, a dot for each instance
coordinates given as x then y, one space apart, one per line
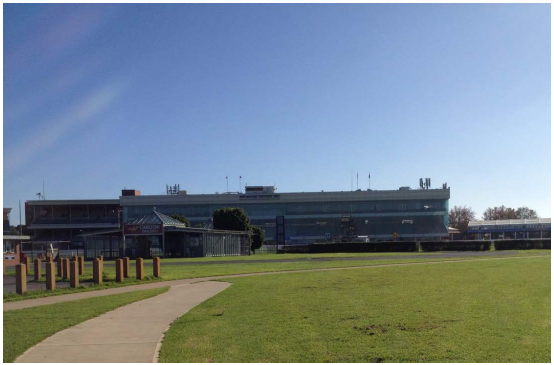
510 228
12 242
308 217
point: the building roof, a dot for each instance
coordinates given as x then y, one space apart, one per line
453 230
509 222
304 197
155 217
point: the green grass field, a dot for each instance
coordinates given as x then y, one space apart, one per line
174 272
25 328
481 311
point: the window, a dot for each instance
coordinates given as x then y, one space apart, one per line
9 247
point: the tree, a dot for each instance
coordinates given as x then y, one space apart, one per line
181 218
232 219
526 213
258 237
459 217
499 213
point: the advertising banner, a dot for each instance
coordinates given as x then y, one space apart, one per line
133 229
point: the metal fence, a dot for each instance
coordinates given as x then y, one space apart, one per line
62 249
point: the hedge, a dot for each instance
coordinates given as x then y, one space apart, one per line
428 246
398 246
530 244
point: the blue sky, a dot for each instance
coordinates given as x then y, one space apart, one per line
102 97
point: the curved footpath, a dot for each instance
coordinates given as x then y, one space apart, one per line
134 333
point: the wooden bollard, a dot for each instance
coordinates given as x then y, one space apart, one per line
97 272
59 267
119 270
27 264
140 268
126 267
20 279
81 265
74 274
38 273
65 268
156 267
49 258
101 259
50 278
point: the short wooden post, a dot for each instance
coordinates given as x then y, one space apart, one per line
65 266
81 265
156 267
119 270
74 274
97 272
59 267
126 267
101 259
140 268
27 264
49 258
20 279
50 278
38 273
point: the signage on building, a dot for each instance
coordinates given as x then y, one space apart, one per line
142 229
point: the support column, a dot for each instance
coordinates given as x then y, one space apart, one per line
38 273
50 278
20 279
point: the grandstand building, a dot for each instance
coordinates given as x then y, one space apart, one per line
308 216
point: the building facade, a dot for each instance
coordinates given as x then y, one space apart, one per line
510 228
309 216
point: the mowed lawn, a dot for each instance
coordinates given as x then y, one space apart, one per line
481 311
174 272
25 328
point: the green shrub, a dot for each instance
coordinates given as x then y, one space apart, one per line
429 246
530 244
397 246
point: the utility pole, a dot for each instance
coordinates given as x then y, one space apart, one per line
227 179
369 181
20 227
240 184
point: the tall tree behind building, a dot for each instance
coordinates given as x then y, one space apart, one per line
503 212
459 217
526 213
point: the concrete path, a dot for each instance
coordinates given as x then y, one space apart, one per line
132 333
96 293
